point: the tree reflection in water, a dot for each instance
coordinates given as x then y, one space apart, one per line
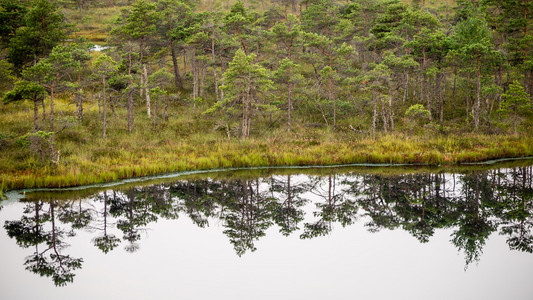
473 205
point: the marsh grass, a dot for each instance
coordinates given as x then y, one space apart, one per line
184 145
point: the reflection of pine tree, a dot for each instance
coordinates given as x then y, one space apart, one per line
287 203
198 197
246 216
516 196
105 242
336 207
474 204
29 231
416 202
369 190
78 217
137 207
474 224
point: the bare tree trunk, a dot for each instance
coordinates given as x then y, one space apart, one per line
104 109
145 71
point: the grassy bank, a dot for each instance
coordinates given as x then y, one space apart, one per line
191 143
112 160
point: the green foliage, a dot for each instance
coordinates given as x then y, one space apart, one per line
417 111
26 90
362 64
43 27
104 65
42 145
516 102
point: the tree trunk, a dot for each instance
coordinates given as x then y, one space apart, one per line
99 107
243 126
374 115
289 100
442 99
154 117
438 95
130 111
454 85
202 70
468 96
130 98
79 101
177 77
427 89
213 57
104 109
478 95
194 80
35 115
406 87
146 91
384 116
44 114
166 109
390 112
330 95
515 120
52 108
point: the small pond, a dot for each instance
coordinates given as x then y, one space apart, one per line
327 233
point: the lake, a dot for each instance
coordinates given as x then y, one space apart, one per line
318 233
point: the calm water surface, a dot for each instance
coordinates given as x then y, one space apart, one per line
317 234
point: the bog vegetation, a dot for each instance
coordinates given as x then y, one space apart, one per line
99 90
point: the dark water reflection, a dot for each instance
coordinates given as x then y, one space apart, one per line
472 205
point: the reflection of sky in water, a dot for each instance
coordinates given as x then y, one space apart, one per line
99 48
177 259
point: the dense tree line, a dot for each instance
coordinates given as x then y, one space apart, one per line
365 65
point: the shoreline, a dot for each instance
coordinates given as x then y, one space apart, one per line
118 175
178 174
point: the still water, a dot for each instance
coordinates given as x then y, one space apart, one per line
277 234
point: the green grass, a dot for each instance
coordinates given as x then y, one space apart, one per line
178 145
